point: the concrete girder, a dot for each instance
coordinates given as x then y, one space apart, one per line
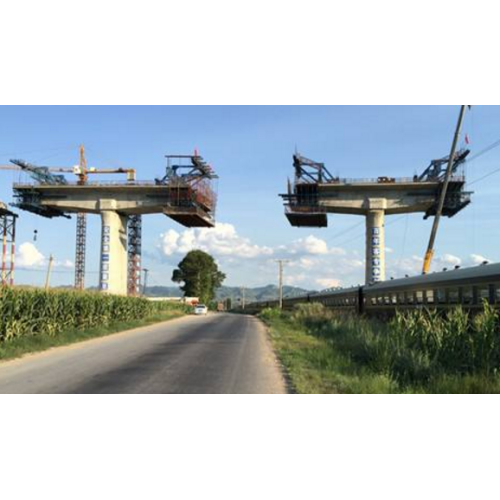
355 198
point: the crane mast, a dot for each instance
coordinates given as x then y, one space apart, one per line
449 172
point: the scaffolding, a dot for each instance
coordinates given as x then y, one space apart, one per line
80 252
192 201
134 232
8 232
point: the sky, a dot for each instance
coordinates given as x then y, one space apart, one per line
251 149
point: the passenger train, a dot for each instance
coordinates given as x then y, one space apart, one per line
468 288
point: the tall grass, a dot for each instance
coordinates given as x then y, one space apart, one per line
29 312
420 350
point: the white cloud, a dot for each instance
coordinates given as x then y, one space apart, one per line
328 283
310 258
412 266
476 259
28 256
221 241
448 260
311 245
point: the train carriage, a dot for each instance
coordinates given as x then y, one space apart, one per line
468 288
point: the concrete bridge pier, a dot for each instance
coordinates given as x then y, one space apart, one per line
375 246
113 264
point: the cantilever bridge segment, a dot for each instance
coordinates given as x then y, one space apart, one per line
185 195
314 193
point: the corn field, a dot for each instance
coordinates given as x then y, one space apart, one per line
34 312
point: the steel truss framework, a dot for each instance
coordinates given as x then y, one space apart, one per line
134 231
8 233
80 254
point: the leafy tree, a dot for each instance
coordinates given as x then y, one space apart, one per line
200 274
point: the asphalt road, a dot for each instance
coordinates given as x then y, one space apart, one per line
216 354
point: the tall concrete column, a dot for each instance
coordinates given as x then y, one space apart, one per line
113 272
375 246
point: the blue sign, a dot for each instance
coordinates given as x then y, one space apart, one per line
105 257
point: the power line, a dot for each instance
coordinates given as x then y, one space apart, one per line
486 150
481 153
475 181
361 235
345 231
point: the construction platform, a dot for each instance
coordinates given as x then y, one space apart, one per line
191 208
309 204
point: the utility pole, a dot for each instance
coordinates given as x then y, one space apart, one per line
242 298
145 286
49 271
281 262
430 249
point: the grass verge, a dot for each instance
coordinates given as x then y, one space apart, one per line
19 346
323 352
314 366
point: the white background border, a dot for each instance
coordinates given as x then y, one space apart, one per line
241 52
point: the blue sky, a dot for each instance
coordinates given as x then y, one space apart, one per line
251 147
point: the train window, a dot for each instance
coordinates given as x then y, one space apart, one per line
467 295
387 300
441 296
410 297
394 299
453 296
497 293
373 301
483 293
401 298
419 296
429 296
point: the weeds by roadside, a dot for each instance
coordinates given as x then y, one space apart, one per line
419 351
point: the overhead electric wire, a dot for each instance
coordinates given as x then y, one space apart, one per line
481 153
345 231
361 235
495 145
475 181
